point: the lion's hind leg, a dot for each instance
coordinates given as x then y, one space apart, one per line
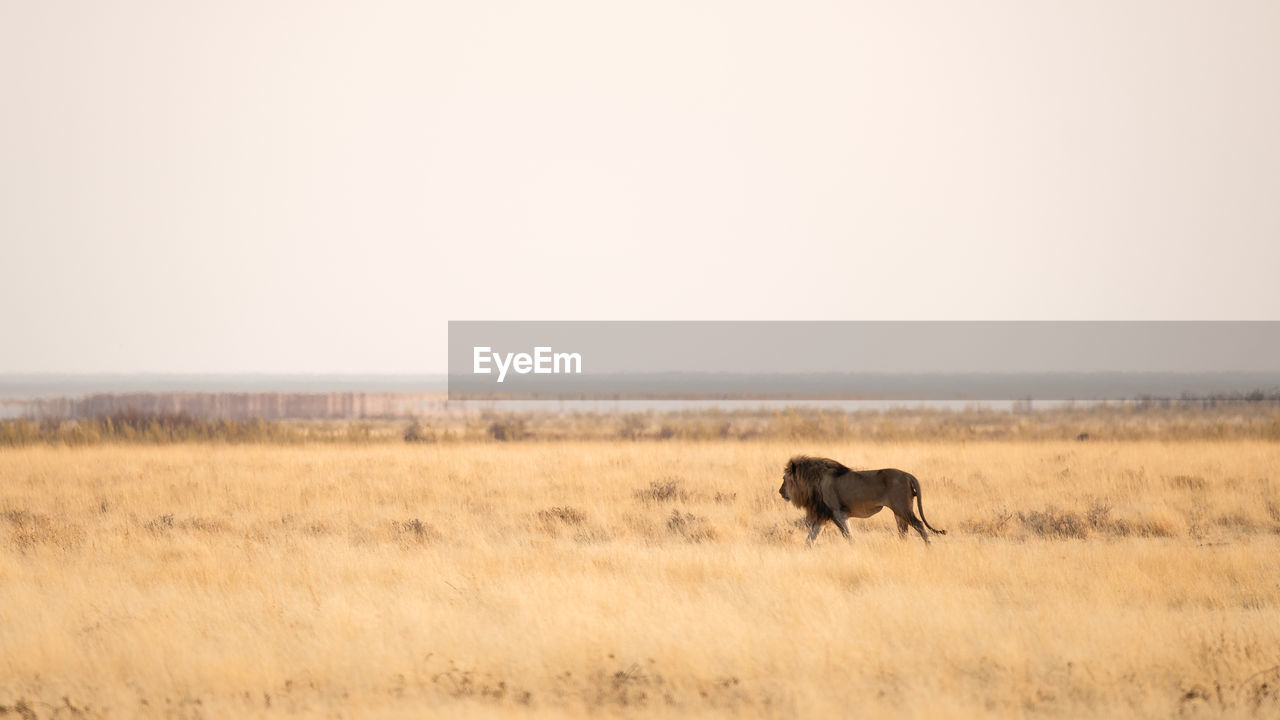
919 527
902 525
908 519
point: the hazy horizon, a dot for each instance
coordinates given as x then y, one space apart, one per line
689 387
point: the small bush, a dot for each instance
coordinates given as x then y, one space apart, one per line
28 531
508 429
417 432
418 531
563 515
998 525
666 490
160 524
1142 527
1099 515
691 527
1055 523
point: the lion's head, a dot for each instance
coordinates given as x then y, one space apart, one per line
801 477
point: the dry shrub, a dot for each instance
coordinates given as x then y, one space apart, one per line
564 515
1143 522
508 429
457 682
615 687
665 490
164 523
416 531
1148 523
28 531
1098 515
1262 693
633 687
204 524
553 519
417 432
692 528
160 524
1237 520
1055 523
319 528
999 524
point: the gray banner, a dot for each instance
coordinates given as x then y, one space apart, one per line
861 360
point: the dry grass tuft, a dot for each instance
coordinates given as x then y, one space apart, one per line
418 531
31 531
1000 523
663 491
691 527
563 515
1055 523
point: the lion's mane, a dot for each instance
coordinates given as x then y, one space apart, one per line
806 474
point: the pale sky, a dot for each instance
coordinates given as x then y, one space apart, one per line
321 186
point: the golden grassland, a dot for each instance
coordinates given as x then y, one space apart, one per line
635 578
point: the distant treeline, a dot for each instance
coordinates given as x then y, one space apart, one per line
1129 421
232 406
356 406
1174 420
1253 397
162 428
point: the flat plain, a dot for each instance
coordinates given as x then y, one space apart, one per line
635 578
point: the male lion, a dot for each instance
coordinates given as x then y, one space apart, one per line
827 490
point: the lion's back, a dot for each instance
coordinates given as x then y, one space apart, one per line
858 485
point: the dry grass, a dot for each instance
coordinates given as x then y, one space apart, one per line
637 578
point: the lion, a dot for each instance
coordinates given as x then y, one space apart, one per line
827 490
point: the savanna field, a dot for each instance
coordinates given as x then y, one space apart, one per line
636 578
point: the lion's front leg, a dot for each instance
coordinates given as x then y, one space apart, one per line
815 527
840 517
831 499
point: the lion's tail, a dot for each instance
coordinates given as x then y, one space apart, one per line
915 487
